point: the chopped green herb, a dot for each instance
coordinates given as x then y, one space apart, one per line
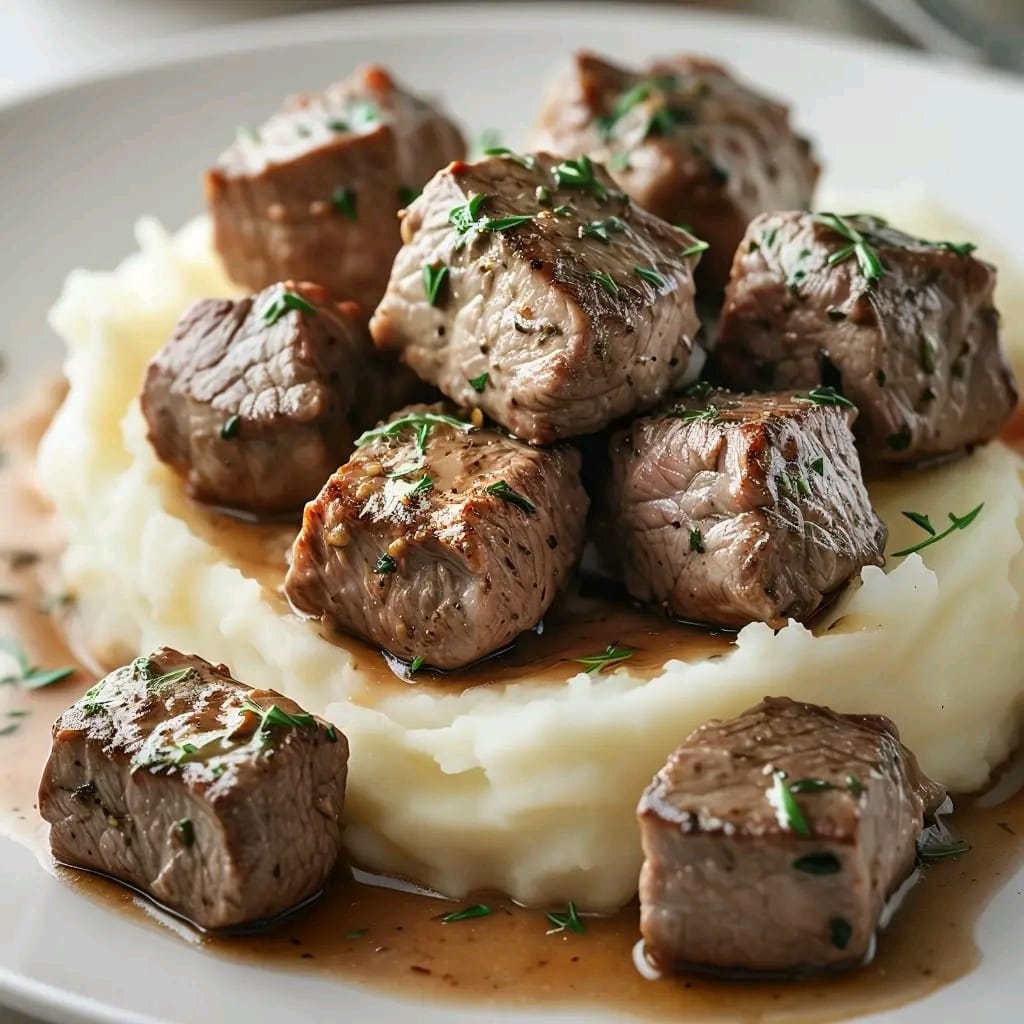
434 276
273 716
960 248
957 523
699 246
280 303
489 138
619 161
356 933
463 217
768 237
920 519
825 396
28 676
505 223
706 415
186 832
338 125
787 810
930 851
422 486
420 421
818 465
839 932
570 921
699 389
650 275
606 281
579 174
562 211
230 427
853 784
385 564
303 131
343 200
331 733
467 913
696 541
362 114
406 195
524 160
810 786
416 664
611 655
543 194
479 383
602 229
823 863
500 489
867 259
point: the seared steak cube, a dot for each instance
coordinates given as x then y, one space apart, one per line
905 328
257 401
732 509
438 541
773 840
220 801
532 288
687 141
313 193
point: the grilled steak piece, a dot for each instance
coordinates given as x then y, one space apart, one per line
773 840
687 141
440 542
220 801
257 401
732 509
905 328
531 288
313 194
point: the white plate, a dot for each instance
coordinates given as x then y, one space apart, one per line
82 161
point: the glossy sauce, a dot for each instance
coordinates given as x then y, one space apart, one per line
392 939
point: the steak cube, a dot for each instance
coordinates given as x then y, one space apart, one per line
732 509
905 328
438 541
773 840
222 802
257 401
312 195
529 287
687 141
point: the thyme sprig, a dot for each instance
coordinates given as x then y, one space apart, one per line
921 520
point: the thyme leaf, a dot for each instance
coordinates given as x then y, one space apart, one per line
956 523
787 810
611 655
467 913
500 489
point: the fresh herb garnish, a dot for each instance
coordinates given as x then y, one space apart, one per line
416 664
788 812
523 159
960 248
230 427
579 174
463 217
825 396
570 921
602 229
935 850
434 275
611 655
706 415
343 200
280 303
479 383
466 913
956 523
406 195
273 716
336 124
422 486
385 564
363 113
650 275
823 863
699 246
619 161
697 541
818 465
422 422
810 786
505 223
331 733
870 265
839 932
606 281
28 676
500 489
853 784
186 832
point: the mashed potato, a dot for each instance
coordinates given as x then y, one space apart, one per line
531 787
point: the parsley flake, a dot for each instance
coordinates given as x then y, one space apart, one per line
385 564
579 174
697 541
280 303
479 383
788 812
500 489
698 247
650 275
467 913
434 276
421 422
343 200
230 427
825 396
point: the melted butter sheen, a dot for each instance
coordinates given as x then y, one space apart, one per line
394 939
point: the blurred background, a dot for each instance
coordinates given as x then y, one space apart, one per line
44 39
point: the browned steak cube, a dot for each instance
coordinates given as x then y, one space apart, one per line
313 193
732 508
905 328
773 840
222 802
438 541
257 401
687 141
530 287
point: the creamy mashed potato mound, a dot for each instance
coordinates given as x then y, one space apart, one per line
531 787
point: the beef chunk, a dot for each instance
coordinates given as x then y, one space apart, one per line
440 542
773 840
687 141
905 328
313 193
739 508
220 801
257 401
531 288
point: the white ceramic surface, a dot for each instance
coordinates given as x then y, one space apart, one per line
80 162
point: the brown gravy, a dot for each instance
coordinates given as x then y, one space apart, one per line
395 940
